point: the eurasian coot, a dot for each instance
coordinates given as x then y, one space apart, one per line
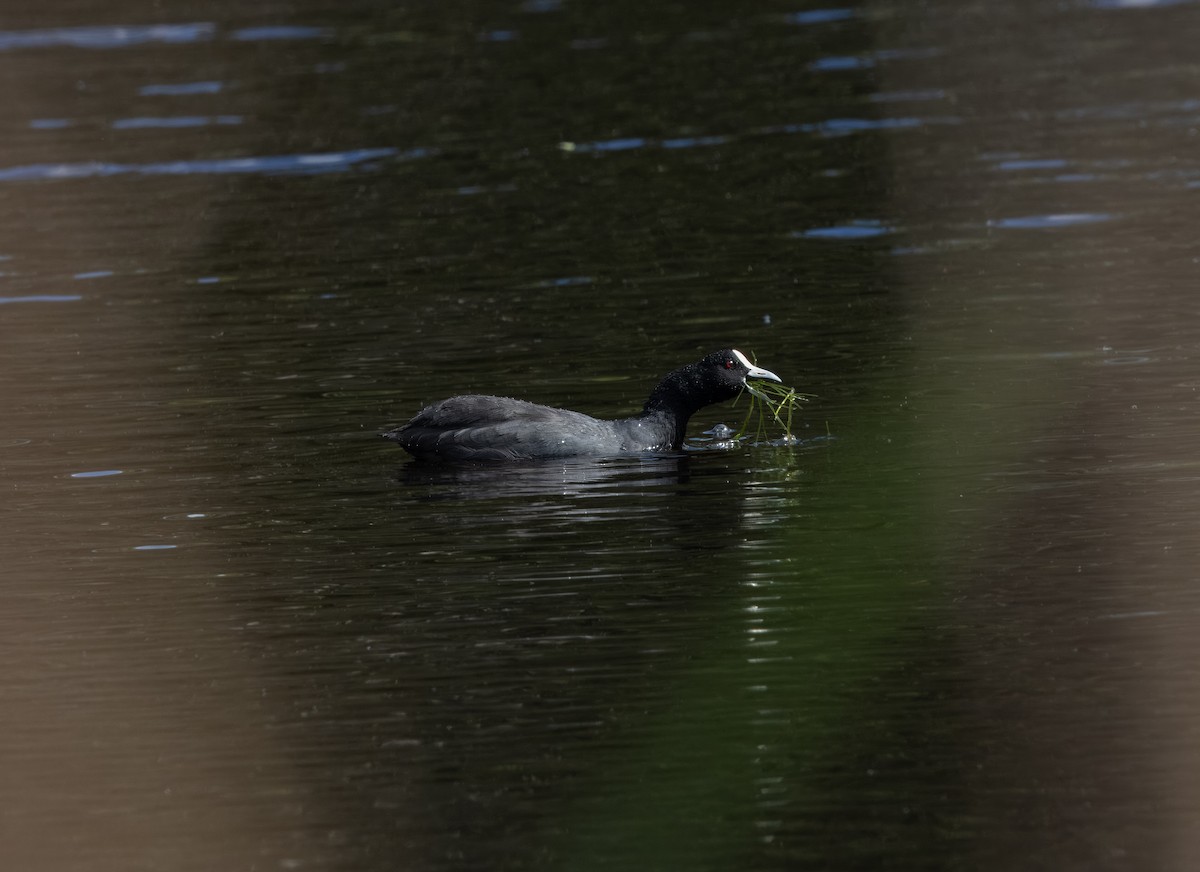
479 428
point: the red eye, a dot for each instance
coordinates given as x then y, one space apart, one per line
728 363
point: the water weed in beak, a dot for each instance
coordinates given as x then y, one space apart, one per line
777 399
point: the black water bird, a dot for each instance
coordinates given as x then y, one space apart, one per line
480 428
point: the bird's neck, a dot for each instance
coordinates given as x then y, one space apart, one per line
673 402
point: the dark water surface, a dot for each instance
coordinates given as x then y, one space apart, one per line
955 628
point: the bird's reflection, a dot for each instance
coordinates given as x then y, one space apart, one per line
573 477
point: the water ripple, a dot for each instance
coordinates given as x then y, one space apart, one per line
564 282
285 164
180 89
279 31
841 62
694 141
867 61
499 36
818 16
1043 222
623 144
909 96
42 298
106 37
844 126
1136 4
830 128
176 121
123 36
854 230
1031 164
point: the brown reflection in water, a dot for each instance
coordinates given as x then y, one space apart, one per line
1078 386
134 726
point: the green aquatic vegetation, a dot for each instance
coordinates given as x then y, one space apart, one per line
777 399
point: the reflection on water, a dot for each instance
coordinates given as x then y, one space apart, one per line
288 163
103 37
241 632
577 478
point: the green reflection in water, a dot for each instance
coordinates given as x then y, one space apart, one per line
824 717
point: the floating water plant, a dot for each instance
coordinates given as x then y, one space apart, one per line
777 399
